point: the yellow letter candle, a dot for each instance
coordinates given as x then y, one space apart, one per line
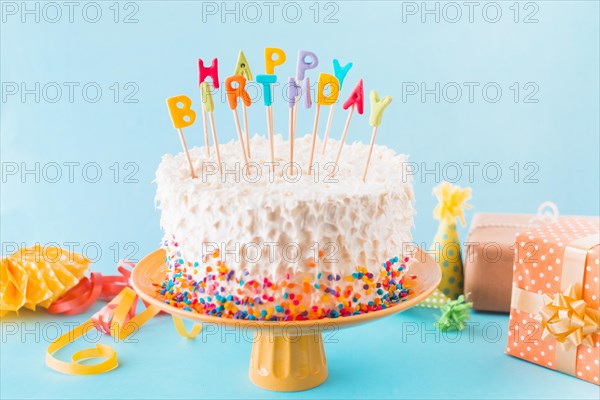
271 62
377 107
182 115
325 81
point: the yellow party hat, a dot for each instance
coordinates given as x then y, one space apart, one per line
446 245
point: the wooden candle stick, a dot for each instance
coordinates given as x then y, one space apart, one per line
267 81
292 95
373 136
307 60
243 68
205 126
377 107
246 131
209 107
233 93
271 136
291 134
327 127
203 73
356 100
343 138
314 138
187 152
215 140
325 80
340 73
295 113
238 129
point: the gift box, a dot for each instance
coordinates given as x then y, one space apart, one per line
489 255
555 297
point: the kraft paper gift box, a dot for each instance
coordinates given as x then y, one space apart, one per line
489 255
555 297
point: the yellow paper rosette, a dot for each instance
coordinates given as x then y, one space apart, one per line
37 276
452 201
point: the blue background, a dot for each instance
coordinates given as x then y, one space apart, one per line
554 136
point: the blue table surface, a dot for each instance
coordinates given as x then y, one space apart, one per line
401 356
542 56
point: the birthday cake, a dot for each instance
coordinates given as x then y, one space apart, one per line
263 241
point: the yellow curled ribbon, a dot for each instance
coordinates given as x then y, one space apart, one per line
565 316
120 328
111 319
180 327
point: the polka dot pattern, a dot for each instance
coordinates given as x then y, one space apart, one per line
448 254
538 268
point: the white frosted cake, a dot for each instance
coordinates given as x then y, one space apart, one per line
283 245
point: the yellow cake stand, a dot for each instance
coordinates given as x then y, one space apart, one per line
287 356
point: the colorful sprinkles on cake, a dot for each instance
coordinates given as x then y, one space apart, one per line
329 295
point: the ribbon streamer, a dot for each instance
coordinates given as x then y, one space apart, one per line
118 318
120 326
89 290
180 327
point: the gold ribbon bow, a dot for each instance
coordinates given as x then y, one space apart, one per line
567 318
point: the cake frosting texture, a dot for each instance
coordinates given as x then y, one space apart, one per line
275 226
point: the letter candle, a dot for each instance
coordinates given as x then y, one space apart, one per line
266 81
325 80
356 100
203 73
209 107
307 60
243 68
182 115
377 108
340 73
270 77
232 96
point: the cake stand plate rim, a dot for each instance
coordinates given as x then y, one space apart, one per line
423 265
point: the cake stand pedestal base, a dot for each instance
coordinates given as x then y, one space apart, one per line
287 363
287 356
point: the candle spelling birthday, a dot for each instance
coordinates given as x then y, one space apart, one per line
377 107
356 99
267 80
298 88
209 107
325 81
243 68
203 73
182 115
233 93
307 60
340 73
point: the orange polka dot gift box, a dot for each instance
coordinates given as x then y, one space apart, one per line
555 297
